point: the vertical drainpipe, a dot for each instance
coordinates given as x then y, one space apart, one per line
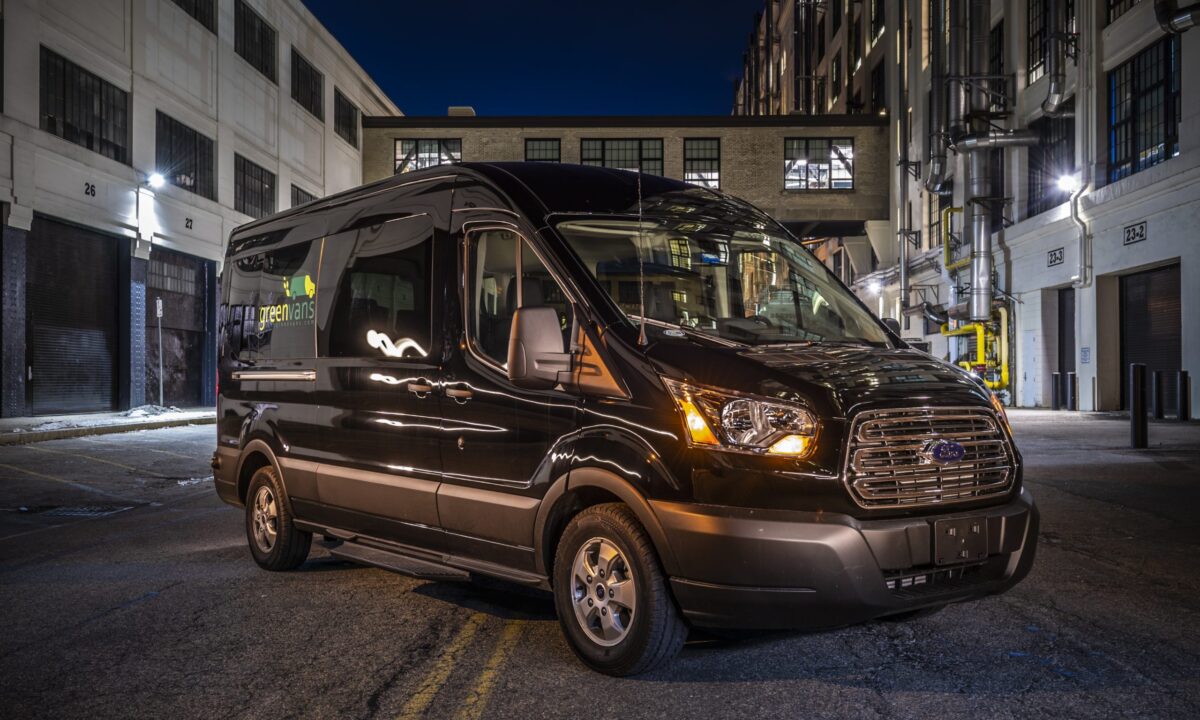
935 176
957 68
902 143
799 22
978 175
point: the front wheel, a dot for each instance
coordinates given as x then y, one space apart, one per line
275 542
611 595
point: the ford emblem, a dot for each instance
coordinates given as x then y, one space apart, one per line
944 452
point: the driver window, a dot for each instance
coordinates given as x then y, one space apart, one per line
495 293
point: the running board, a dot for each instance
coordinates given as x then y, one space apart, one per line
397 563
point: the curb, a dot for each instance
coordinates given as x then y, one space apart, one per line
24 438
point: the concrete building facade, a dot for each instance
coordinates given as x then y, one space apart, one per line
818 175
1086 117
135 135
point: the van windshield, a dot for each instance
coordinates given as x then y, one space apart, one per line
746 285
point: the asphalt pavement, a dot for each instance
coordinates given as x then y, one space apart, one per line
127 591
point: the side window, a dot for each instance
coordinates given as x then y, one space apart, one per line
494 291
287 302
240 337
381 305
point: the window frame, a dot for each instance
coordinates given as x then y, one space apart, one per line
247 20
315 85
340 104
1055 135
1136 123
443 151
298 192
833 141
1117 8
239 201
168 167
202 11
469 231
557 149
643 158
56 73
687 160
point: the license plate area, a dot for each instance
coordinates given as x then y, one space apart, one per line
959 540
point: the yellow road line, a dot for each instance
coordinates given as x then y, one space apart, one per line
154 450
51 478
90 457
420 701
476 702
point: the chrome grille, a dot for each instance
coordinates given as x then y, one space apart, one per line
886 465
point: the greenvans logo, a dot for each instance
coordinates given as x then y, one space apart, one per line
300 308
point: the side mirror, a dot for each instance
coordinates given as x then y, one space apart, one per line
535 355
892 324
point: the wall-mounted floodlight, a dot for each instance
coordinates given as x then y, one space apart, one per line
156 180
874 287
1068 183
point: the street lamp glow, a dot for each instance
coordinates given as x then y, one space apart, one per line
156 180
873 287
1068 183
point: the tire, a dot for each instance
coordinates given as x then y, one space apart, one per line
637 629
267 510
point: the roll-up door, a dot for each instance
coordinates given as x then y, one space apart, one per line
71 318
180 282
1151 331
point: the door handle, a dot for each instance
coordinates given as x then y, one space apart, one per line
420 388
459 394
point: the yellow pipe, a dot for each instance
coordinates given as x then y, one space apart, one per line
981 347
946 249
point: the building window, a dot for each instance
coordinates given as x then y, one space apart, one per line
345 118
637 155
253 188
300 196
821 105
837 8
999 88
681 253
835 78
820 40
425 153
81 108
254 39
877 20
856 45
702 162
1144 109
879 89
308 86
1050 160
1117 8
204 11
1037 40
543 150
818 163
183 156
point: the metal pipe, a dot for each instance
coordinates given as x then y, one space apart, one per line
1056 60
935 176
956 109
996 139
1083 277
902 220
978 184
1173 20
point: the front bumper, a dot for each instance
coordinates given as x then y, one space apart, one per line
766 569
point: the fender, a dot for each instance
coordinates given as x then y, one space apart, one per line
256 445
618 486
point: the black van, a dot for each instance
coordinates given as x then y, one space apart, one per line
642 395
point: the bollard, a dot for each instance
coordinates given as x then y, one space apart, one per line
1072 391
1056 392
1156 393
1137 405
1183 396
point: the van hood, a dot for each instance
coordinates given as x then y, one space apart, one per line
833 378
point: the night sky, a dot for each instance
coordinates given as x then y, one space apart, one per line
548 57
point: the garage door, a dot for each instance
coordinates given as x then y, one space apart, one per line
1151 328
180 281
71 306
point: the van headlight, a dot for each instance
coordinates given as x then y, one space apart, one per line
724 420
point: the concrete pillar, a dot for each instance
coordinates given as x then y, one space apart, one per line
12 313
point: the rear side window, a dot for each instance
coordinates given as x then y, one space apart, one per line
271 304
380 277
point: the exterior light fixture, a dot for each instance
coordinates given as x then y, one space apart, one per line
873 287
155 180
1068 183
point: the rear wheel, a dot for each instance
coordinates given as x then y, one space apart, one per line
611 595
275 542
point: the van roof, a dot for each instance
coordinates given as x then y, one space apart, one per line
543 188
